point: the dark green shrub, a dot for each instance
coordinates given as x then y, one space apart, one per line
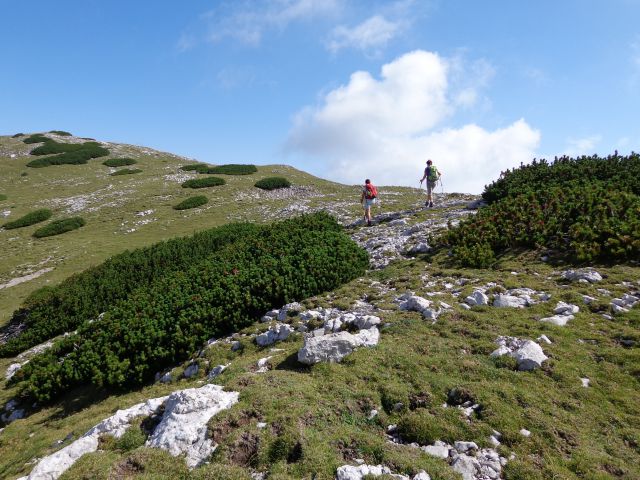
24 174
30 218
193 167
51 311
272 183
17 135
36 138
59 226
168 320
66 153
191 202
203 182
62 133
229 169
125 171
119 162
2 197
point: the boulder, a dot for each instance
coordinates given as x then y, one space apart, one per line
584 274
276 333
284 312
191 370
335 346
559 320
183 428
366 321
413 303
529 356
566 309
477 298
466 466
509 301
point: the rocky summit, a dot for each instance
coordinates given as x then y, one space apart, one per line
416 363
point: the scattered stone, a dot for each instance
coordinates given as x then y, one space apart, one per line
559 320
477 298
585 382
191 371
12 369
544 338
566 309
372 414
510 301
217 370
528 354
464 447
263 365
525 433
288 310
236 345
276 333
335 346
183 428
438 449
587 274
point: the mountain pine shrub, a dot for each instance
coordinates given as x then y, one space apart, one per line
30 218
203 182
36 138
119 162
51 311
273 183
191 202
125 171
169 319
59 226
67 153
229 169
193 167
61 133
17 135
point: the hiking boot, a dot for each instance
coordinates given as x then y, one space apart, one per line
426 204
369 223
430 204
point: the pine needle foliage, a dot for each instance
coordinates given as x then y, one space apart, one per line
60 226
119 162
203 182
125 171
191 202
30 218
169 319
273 183
66 153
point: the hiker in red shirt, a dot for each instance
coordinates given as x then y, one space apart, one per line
368 198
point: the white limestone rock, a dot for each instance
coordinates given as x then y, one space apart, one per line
288 309
217 370
466 466
438 449
12 369
509 301
183 428
559 320
587 274
563 308
335 346
414 303
191 371
477 298
529 356
276 333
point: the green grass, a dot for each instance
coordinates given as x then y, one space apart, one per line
191 202
204 182
58 227
30 218
273 183
3 197
119 162
125 171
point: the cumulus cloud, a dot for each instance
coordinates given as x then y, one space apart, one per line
370 35
386 129
582 146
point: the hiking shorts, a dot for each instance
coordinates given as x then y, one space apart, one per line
368 202
430 187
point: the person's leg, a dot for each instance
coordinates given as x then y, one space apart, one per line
429 194
368 214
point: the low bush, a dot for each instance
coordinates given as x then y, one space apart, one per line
119 162
52 311
17 135
170 319
585 224
61 133
191 202
203 182
229 169
72 154
192 167
60 226
125 171
272 183
2 197
30 218
36 138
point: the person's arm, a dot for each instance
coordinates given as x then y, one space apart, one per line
423 177
362 197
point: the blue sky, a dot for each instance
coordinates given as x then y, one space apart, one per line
344 89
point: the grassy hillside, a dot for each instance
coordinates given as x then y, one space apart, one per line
129 211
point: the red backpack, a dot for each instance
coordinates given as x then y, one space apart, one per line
371 191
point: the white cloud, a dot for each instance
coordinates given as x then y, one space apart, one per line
582 146
247 22
372 34
386 128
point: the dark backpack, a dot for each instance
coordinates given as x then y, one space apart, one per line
371 192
